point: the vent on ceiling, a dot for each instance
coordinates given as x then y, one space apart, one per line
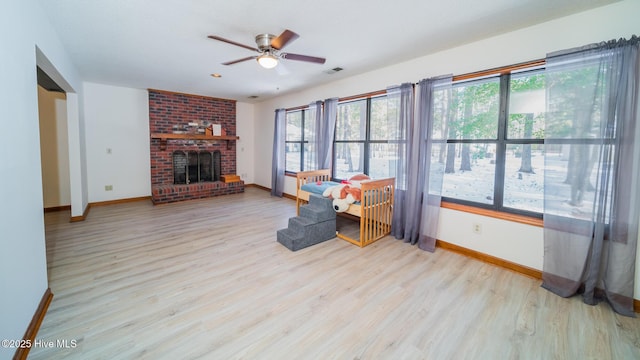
333 71
253 97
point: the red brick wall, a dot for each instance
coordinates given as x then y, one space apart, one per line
174 111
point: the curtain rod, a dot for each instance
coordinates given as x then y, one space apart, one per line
500 70
495 71
348 98
365 95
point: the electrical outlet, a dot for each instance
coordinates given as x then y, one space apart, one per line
477 228
108 187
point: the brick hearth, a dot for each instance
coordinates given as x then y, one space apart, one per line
169 112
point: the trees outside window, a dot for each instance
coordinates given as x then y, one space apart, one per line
297 151
575 133
489 134
362 143
492 155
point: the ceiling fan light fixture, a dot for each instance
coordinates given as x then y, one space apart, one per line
267 60
270 50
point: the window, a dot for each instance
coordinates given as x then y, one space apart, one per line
363 142
493 153
300 128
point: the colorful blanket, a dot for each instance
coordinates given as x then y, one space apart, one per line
318 187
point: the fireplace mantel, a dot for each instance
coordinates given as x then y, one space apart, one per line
164 137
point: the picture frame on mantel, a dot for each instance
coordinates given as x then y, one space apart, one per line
216 129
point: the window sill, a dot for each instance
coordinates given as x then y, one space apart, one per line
494 214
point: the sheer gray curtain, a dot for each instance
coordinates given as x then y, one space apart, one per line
399 119
277 160
313 136
592 170
424 192
326 131
418 174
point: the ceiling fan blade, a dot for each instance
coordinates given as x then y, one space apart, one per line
239 60
307 58
283 39
232 42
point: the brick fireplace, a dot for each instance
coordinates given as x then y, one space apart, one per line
205 158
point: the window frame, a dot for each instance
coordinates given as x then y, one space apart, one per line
368 137
501 142
302 141
473 208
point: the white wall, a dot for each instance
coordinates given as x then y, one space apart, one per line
117 118
117 133
77 156
54 152
244 146
23 267
522 244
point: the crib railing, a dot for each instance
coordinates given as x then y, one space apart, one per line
377 210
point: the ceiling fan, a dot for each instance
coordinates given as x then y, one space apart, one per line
269 49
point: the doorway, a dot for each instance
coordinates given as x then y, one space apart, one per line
54 144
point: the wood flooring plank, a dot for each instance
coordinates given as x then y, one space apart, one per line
206 279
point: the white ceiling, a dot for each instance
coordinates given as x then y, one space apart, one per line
163 44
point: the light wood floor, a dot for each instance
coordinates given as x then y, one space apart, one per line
207 279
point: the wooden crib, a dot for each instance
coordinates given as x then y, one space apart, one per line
375 210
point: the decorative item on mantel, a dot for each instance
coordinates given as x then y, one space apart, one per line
163 137
192 128
216 130
177 130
